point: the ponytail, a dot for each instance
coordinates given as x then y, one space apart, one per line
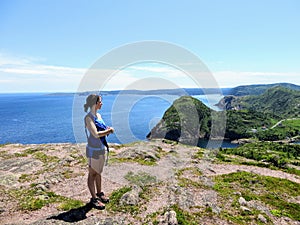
91 100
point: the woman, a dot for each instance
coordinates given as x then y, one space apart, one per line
96 149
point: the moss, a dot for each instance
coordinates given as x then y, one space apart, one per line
34 198
144 162
115 205
45 158
20 154
141 179
69 204
186 182
273 192
170 142
6 155
264 154
27 177
33 150
184 217
199 154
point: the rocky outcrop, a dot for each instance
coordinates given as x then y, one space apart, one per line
47 185
228 103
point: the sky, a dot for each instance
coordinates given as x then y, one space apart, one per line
49 46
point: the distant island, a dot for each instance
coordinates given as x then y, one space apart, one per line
243 90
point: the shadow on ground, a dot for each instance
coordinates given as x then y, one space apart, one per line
73 215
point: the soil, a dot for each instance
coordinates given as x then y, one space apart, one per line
64 172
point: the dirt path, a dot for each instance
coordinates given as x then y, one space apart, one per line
177 157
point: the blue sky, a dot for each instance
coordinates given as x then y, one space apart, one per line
49 45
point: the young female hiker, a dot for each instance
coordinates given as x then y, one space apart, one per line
95 149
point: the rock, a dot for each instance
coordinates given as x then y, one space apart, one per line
131 197
20 165
41 187
138 152
170 218
259 206
8 179
262 219
69 159
245 209
242 201
225 103
207 181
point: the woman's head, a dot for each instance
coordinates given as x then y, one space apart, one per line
91 100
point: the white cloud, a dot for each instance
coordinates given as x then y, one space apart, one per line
29 75
233 79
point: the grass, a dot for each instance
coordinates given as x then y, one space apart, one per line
34 198
139 161
273 192
264 154
69 204
141 179
115 205
186 182
45 158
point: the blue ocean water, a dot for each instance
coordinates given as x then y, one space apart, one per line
44 118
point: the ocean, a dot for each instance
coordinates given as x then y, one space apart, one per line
39 118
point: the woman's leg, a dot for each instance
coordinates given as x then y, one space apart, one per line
91 185
98 183
91 182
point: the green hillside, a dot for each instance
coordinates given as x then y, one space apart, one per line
271 116
259 89
183 120
279 101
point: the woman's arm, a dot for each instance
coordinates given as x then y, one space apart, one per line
93 130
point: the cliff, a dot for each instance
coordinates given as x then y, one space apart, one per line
187 120
155 182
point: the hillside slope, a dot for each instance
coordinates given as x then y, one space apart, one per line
156 182
259 89
278 101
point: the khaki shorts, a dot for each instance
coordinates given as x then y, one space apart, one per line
97 164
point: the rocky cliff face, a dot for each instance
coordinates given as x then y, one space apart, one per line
155 182
227 103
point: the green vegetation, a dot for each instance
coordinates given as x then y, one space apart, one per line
184 217
278 101
273 192
240 124
267 154
186 182
114 201
141 161
69 204
286 129
252 117
182 114
259 89
35 198
140 179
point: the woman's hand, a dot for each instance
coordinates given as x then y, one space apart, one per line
111 130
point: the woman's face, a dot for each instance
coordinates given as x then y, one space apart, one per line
99 104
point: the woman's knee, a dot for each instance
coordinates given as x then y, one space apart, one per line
92 173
